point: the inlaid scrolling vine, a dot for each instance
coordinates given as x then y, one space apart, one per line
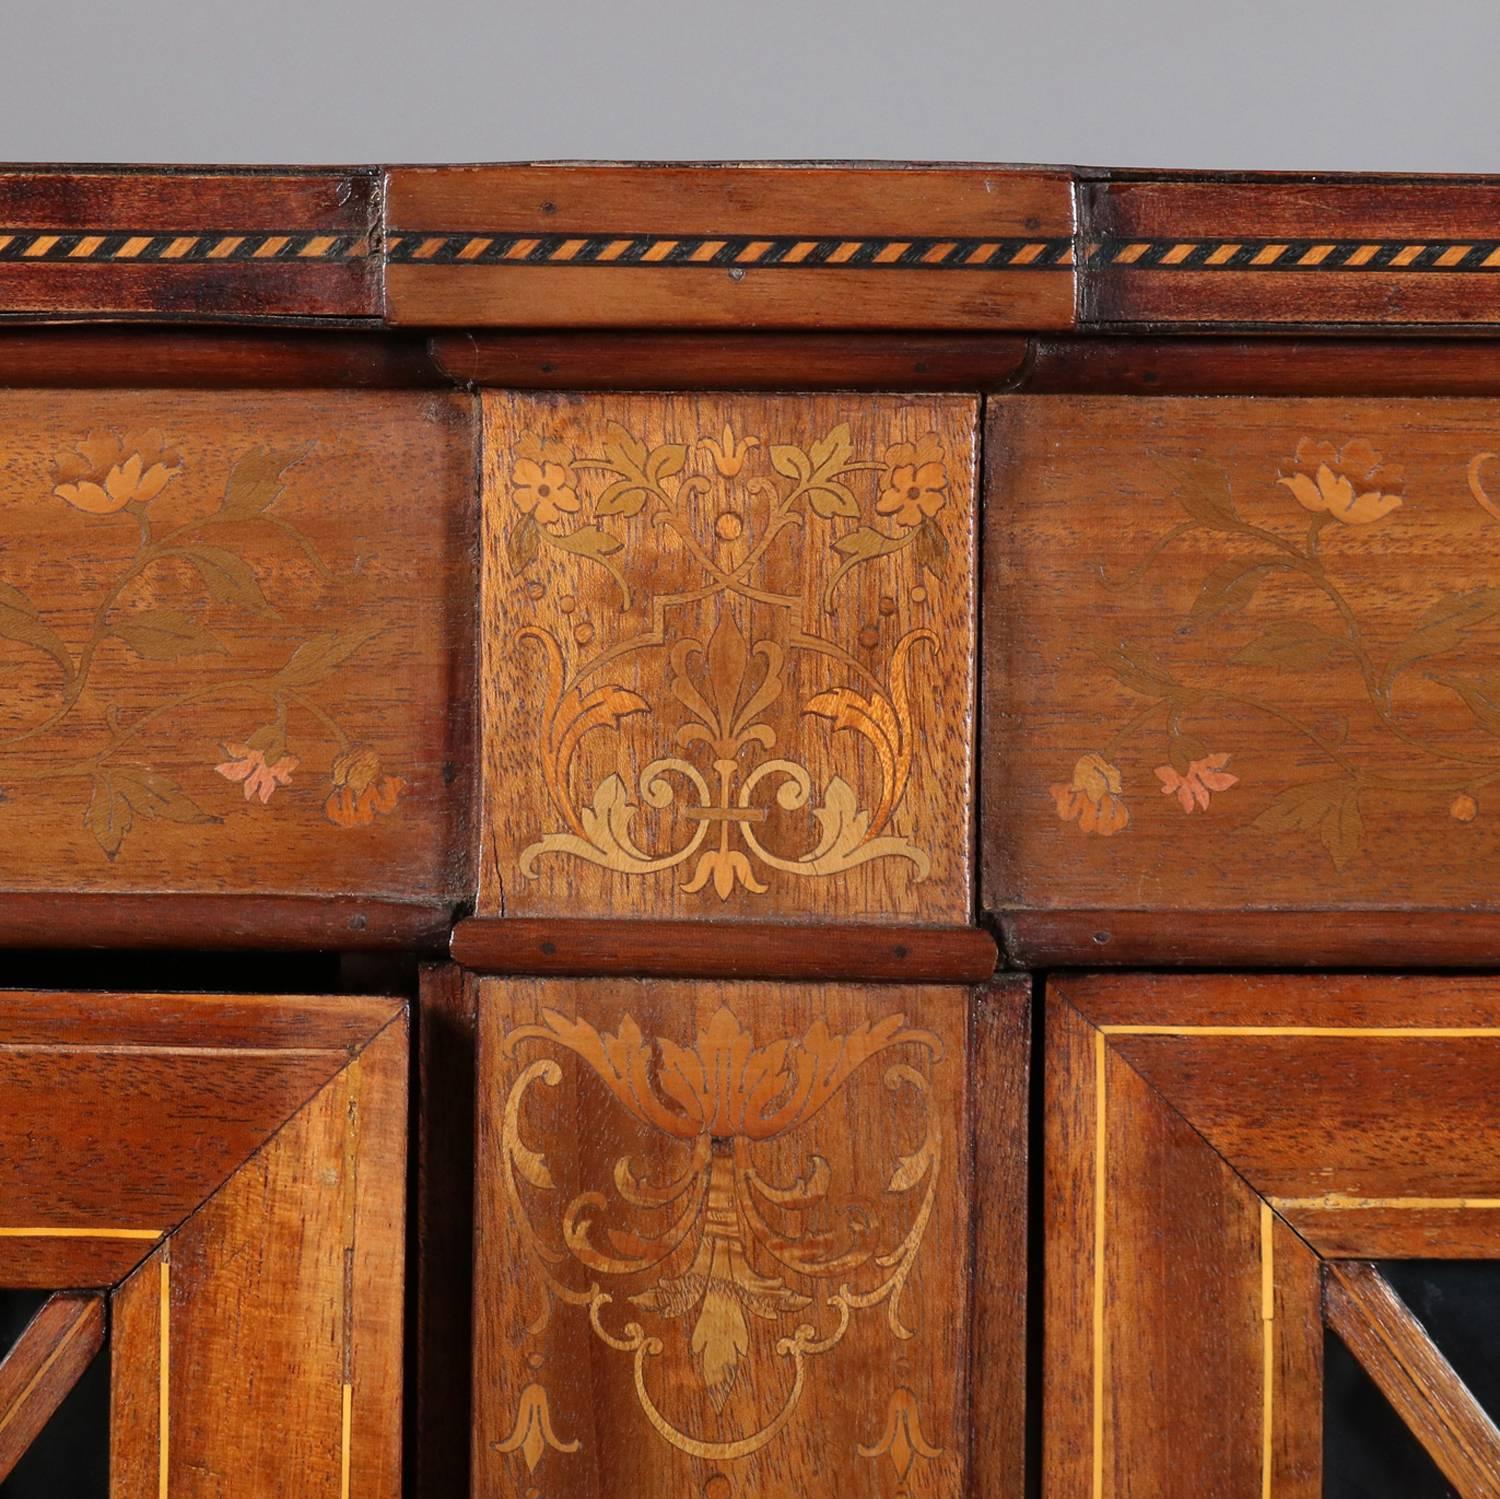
713 1242
715 779
116 477
1332 485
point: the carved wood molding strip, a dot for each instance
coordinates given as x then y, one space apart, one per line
742 949
1306 938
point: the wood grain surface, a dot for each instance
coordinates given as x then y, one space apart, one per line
723 949
1182 1319
236 631
1355 1107
97 356
789 246
125 1111
1236 660
729 359
723 1239
727 650
1249 365
998 1330
1311 938
218 245
1280 250
280 1357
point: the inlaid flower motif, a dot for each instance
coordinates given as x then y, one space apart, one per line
1092 799
259 774
727 451
1351 486
543 481
723 1086
359 791
533 1432
1202 777
916 481
902 1440
106 472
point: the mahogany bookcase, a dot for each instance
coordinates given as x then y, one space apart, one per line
748 830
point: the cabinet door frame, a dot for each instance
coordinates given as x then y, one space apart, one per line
226 1173
1226 1157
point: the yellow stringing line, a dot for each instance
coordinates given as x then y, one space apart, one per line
1268 1341
1100 1141
164 1363
1392 1032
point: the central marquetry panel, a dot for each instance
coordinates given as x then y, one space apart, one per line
723 1239
728 656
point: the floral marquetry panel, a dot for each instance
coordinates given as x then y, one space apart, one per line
230 625
1242 655
723 1239
728 650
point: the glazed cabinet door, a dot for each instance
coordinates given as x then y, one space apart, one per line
201 1245
1272 1238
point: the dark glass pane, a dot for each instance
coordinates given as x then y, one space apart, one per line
1368 1450
71 1456
1458 1302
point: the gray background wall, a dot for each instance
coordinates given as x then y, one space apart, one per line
1395 85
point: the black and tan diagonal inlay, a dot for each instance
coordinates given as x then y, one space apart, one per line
1286 254
157 247
938 253
928 252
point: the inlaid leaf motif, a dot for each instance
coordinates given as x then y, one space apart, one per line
166 634
522 543
1481 698
1328 808
1204 491
1292 643
1444 626
108 816
20 621
932 548
1230 587
640 471
866 541
1138 670
255 481
315 658
816 468
124 792
588 541
863 544
228 577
